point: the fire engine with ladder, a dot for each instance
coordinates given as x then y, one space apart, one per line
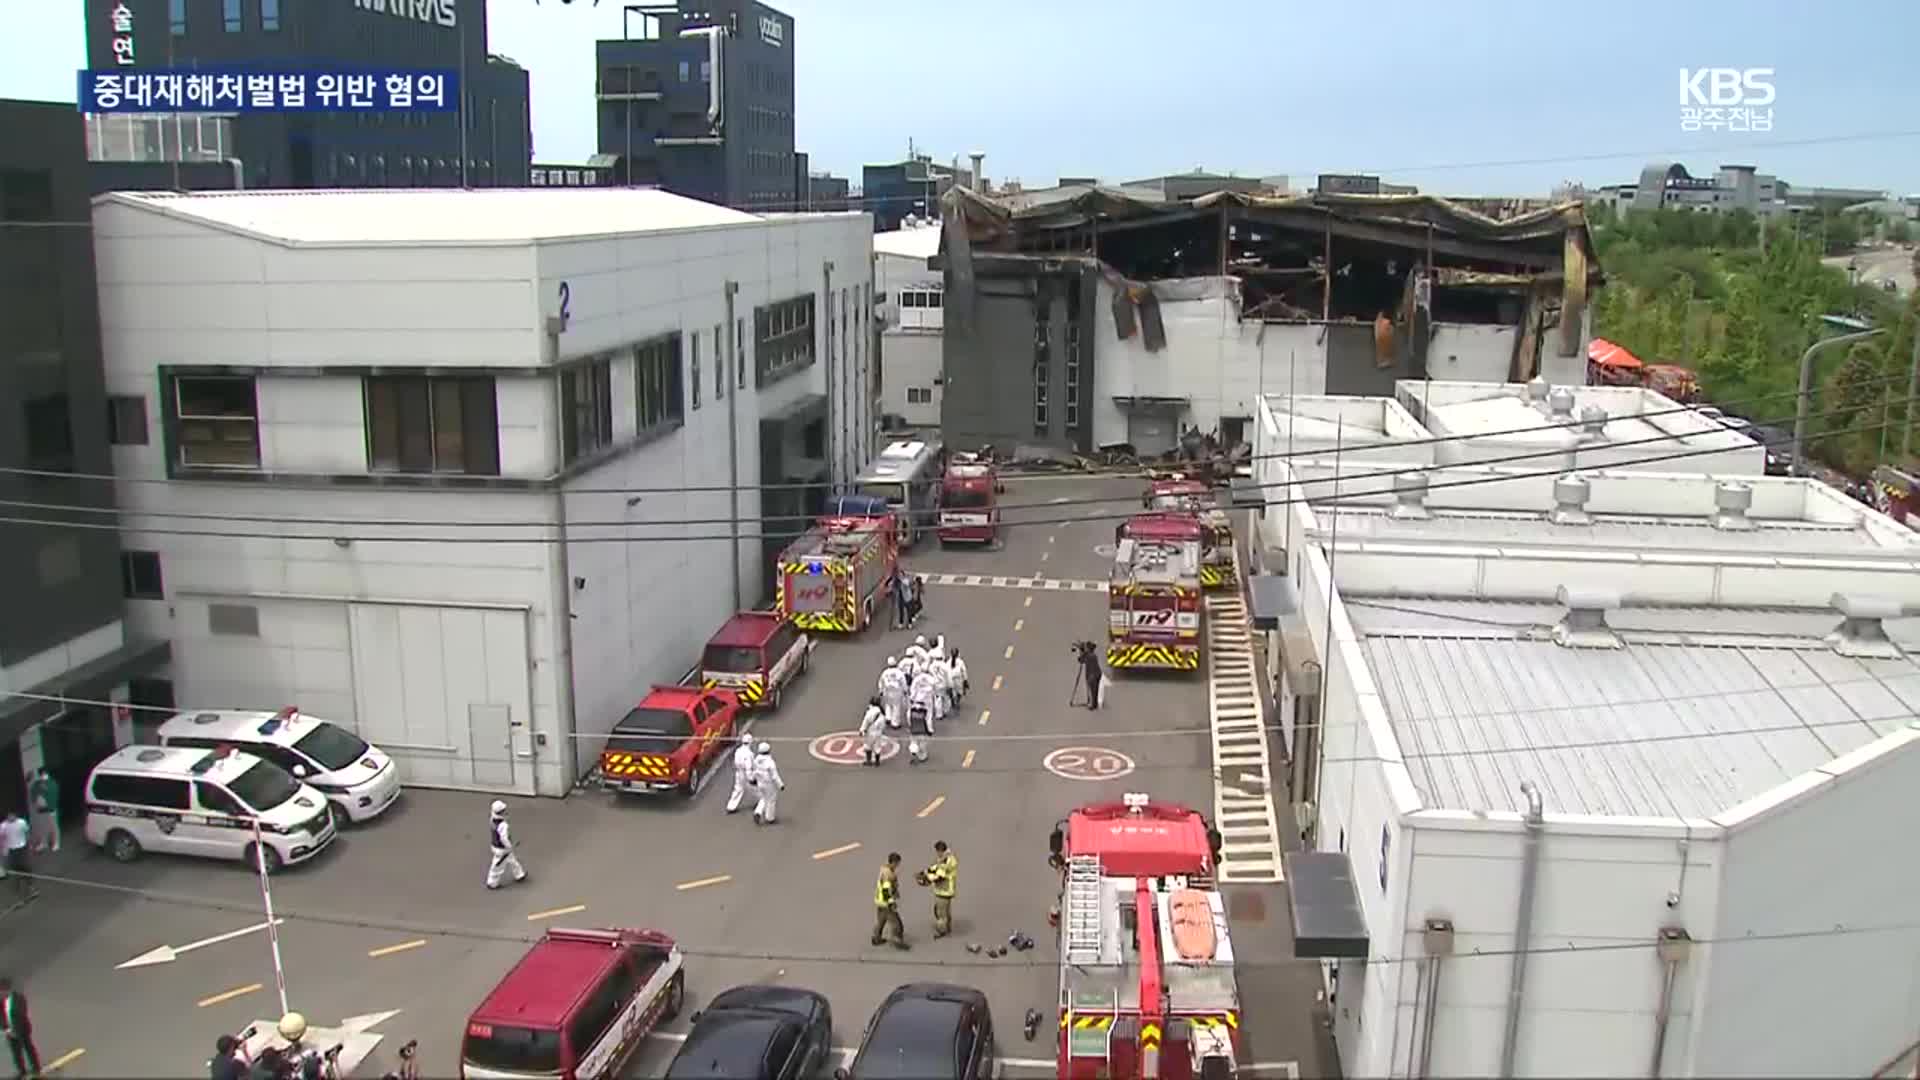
1178 493
835 576
1153 593
1147 984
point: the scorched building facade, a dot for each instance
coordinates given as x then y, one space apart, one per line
436 465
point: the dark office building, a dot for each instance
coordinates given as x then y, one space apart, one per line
60 586
911 188
305 150
698 99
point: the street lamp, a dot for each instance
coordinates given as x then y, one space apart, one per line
1856 331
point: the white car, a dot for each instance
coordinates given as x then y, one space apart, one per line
211 803
359 780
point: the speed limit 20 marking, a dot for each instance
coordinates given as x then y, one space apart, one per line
848 748
1088 763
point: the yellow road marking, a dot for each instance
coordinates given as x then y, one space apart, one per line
1029 602
65 1059
1045 555
997 680
1049 539
832 851
238 991
1019 625
720 879
927 810
985 713
1009 653
967 762
538 915
405 946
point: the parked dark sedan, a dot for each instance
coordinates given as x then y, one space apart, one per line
928 1031
757 1033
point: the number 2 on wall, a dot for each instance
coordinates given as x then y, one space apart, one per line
566 301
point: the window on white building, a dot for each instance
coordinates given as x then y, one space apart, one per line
234 620
919 395
219 421
586 396
693 366
783 336
127 420
140 577
719 364
656 382
437 425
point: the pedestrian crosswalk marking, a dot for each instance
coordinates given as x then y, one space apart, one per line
1248 822
1045 584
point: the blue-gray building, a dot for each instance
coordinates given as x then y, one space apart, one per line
698 99
308 150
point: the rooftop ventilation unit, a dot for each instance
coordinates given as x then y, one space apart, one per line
1862 631
1585 624
1537 390
1409 497
1731 501
1570 495
1593 420
1560 403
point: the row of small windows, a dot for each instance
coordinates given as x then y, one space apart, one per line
233 15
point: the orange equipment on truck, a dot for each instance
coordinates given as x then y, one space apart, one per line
1177 493
1147 984
836 575
969 501
1153 593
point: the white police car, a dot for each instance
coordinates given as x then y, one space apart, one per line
358 780
204 802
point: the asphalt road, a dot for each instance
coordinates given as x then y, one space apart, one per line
395 917
1876 266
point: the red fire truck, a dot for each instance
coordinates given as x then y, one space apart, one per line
837 575
1897 494
1178 493
1147 984
1153 593
969 501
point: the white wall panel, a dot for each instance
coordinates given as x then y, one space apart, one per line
297 659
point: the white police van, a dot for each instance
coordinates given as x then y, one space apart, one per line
203 802
358 780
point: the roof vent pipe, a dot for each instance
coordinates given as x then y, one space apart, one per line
1731 501
1862 631
1585 624
1537 390
1560 403
1593 419
1570 495
1409 497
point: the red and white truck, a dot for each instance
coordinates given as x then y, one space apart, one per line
1178 493
836 576
1153 593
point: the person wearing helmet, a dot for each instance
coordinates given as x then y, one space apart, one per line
767 782
873 728
742 772
504 860
893 693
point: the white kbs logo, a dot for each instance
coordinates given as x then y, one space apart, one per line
1726 86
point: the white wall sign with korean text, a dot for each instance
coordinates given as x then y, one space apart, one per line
122 19
1726 99
426 11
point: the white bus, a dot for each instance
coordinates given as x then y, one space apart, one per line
907 476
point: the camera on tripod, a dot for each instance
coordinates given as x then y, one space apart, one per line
1085 649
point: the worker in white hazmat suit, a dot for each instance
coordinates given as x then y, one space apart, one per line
893 693
873 730
503 861
766 781
917 651
942 701
742 772
920 715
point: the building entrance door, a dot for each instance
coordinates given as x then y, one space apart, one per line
71 744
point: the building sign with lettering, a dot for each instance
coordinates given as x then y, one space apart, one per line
772 32
122 17
426 11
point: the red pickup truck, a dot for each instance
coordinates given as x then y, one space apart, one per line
670 742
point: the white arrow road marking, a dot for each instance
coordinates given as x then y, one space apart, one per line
358 1025
167 954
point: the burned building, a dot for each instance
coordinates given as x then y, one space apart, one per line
1106 320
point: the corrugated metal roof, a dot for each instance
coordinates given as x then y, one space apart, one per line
1441 615
1611 532
438 216
1664 727
920 243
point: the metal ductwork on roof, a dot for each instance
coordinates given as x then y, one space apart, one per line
1585 624
1593 420
1537 390
1731 501
1410 497
1570 495
1560 403
1862 631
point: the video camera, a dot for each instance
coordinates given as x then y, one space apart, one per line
1085 649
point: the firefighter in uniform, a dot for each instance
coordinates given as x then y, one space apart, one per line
873 729
886 905
500 846
944 878
742 772
893 693
766 781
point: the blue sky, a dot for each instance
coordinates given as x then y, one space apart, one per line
1488 97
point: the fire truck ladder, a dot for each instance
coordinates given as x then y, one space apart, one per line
1082 919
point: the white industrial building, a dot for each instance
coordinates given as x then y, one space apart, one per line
1604 774
453 467
911 315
